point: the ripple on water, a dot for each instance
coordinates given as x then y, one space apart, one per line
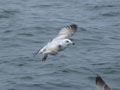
42 6
27 78
102 6
7 13
26 34
59 83
110 14
7 31
28 24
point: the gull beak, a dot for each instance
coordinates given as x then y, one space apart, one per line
73 43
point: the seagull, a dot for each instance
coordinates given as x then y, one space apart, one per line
59 43
101 85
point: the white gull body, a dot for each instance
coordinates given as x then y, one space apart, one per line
59 43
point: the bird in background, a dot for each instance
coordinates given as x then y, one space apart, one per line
100 84
59 43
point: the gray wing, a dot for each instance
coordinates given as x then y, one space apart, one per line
66 32
101 85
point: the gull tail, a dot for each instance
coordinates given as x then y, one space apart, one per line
45 57
38 52
101 85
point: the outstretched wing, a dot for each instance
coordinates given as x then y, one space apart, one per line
100 83
66 32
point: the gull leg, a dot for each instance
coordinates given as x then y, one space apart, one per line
45 57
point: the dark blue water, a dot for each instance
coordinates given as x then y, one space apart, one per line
27 25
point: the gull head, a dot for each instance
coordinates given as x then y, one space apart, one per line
67 42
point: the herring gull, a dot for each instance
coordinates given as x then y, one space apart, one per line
59 43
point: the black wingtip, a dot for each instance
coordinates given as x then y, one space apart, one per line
101 83
74 26
99 79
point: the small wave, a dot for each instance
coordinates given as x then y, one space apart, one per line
26 34
83 29
102 6
64 84
8 31
8 13
42 6
110 14
26 78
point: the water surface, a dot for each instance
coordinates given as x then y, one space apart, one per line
27 25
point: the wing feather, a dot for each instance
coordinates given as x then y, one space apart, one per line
66 32
101 85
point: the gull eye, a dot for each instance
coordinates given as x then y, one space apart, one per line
67 41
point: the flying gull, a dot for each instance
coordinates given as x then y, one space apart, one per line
101 85
59 43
